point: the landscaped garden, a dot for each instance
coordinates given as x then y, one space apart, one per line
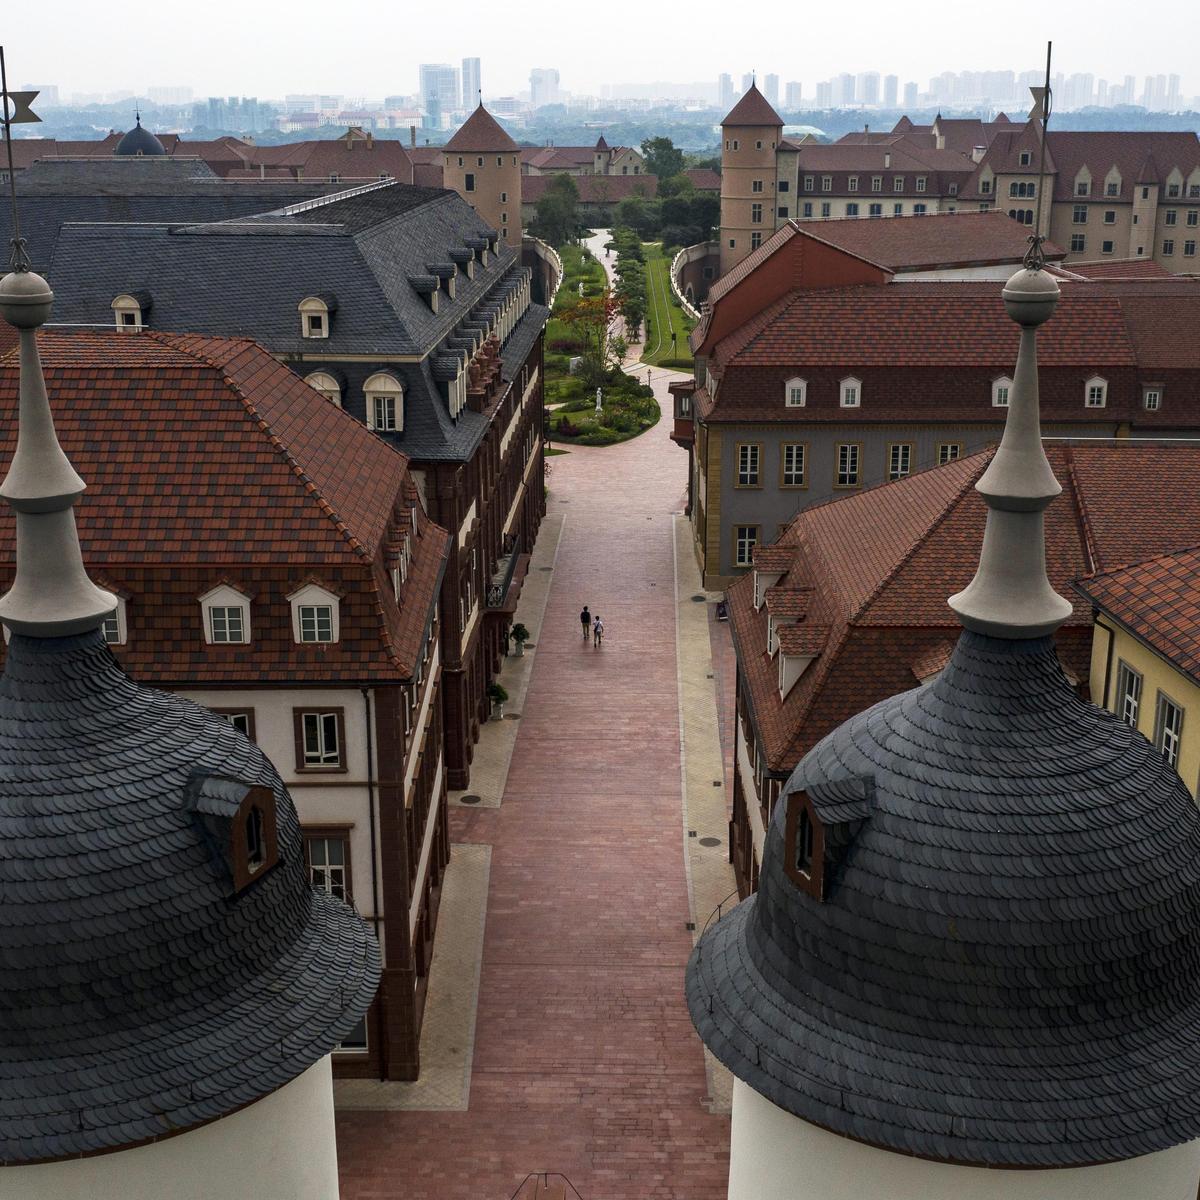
664 314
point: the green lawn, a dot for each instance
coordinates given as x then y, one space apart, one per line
664 314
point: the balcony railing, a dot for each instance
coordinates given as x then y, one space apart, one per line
506 564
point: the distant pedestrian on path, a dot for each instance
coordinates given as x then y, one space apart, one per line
585 619
597 631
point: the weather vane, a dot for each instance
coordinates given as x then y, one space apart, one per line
14 110
1035 259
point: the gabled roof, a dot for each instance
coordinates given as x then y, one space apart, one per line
879 564
753 109
208 457
704 179
1158 600
481 131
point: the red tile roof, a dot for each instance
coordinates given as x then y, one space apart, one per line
881 564
481 131
753 109
1139 155
1124 268
207 460
704 179
1158 600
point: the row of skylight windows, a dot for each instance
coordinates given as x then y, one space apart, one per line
1095 393
920 183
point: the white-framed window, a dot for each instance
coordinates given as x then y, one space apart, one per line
1128 700
1078 243
749 464
947 452
1026 158
315 615
320 739
129 313
745 538
113 626
898 183
849 460
793 465
899 460
314 316
877 183
795 393
852 184
1168 728
921 183
326 384
328 857
1095 392
1000 391
225 613
1152 397
850 392
385 402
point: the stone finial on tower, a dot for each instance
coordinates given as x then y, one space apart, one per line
1010 596
51 595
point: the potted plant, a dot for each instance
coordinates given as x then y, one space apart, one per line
497 696
520 635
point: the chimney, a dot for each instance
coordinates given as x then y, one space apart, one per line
977 153
412 137
866 131
370 140
887 158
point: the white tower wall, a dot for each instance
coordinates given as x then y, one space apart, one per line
280 1148
776 1156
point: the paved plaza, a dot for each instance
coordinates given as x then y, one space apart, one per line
599 837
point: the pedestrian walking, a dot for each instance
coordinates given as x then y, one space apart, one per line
597 631
585 619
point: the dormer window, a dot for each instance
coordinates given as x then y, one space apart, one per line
226 616
113 626
327 385
315 615
804 846
1095 392
385 403
130 310
795 393
1152 397
315 312
851 392
1025 158
1000 390
240 828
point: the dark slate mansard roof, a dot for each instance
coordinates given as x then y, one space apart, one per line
1004 969
246 276
136 997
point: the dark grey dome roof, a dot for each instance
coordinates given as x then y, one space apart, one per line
138 997
140 141
1006 967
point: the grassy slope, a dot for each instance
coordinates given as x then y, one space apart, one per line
664 315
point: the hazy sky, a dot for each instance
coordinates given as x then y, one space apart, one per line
251 47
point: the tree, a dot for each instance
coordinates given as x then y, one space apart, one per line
662 159
557 220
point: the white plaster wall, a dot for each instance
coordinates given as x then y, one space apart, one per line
281 1148
776 1156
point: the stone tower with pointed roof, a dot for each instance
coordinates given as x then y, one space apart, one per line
749 176
483 165
171 984
969 970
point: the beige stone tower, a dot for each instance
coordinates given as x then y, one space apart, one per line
483 165
750 137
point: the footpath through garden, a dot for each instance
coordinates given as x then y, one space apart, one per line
584 1059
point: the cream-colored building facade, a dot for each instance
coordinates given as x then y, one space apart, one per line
483 165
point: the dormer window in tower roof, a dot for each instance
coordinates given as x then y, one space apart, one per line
316 313
240 828
131 310
427 286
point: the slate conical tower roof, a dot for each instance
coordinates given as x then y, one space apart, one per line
753 109
164 960
480 131
986 952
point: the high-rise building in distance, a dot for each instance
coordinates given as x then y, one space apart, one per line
793 95
771 89
866 87
440 91
891 90
725 90
747 81
471 83
910 95
543 86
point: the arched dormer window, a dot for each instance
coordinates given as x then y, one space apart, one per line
225 613
1000 391
795 393
315 615
131 310
239 824
804 845
1095 392
315 314
327 385
385 403
850 392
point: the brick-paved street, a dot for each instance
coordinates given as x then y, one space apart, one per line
585 1060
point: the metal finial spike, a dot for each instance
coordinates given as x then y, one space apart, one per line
51 595
1010 596
15 109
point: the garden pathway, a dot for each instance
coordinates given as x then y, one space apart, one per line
585 1061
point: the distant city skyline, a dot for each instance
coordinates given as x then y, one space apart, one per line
634 42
